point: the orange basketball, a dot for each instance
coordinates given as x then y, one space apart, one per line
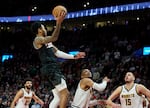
59 8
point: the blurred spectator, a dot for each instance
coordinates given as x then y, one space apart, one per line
1 103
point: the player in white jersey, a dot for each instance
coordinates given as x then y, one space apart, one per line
130 98
130 94
24 97
84 89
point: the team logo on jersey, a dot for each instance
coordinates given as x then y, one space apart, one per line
127 96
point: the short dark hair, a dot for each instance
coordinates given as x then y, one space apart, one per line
27 79
35 26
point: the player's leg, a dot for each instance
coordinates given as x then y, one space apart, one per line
64 98
64 93
56 99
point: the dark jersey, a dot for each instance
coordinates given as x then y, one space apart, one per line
50 66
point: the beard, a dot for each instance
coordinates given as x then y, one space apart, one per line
127 81
28 87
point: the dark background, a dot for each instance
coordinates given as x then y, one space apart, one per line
24 7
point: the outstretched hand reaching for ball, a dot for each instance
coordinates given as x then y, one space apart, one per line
80 55
60 17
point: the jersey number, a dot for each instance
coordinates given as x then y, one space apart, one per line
128 102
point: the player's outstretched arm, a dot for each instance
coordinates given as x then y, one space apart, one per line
64 55
97 86
16 98
55 34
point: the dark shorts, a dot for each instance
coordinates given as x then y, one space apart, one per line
52 73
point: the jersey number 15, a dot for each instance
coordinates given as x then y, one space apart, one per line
128 102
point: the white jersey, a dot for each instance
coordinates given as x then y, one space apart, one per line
81 98
130 98
24 101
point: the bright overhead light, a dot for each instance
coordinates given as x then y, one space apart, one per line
88 3
2 27
84 5
108 21
35 7
32 10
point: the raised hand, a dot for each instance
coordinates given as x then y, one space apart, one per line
61 17
80 55
106 79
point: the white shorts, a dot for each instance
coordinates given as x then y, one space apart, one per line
61 86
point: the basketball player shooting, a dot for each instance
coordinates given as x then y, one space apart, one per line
48 54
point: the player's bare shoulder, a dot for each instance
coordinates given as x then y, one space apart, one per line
38 41
87 81
119 89
33 93
21 90
140 87
20 93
